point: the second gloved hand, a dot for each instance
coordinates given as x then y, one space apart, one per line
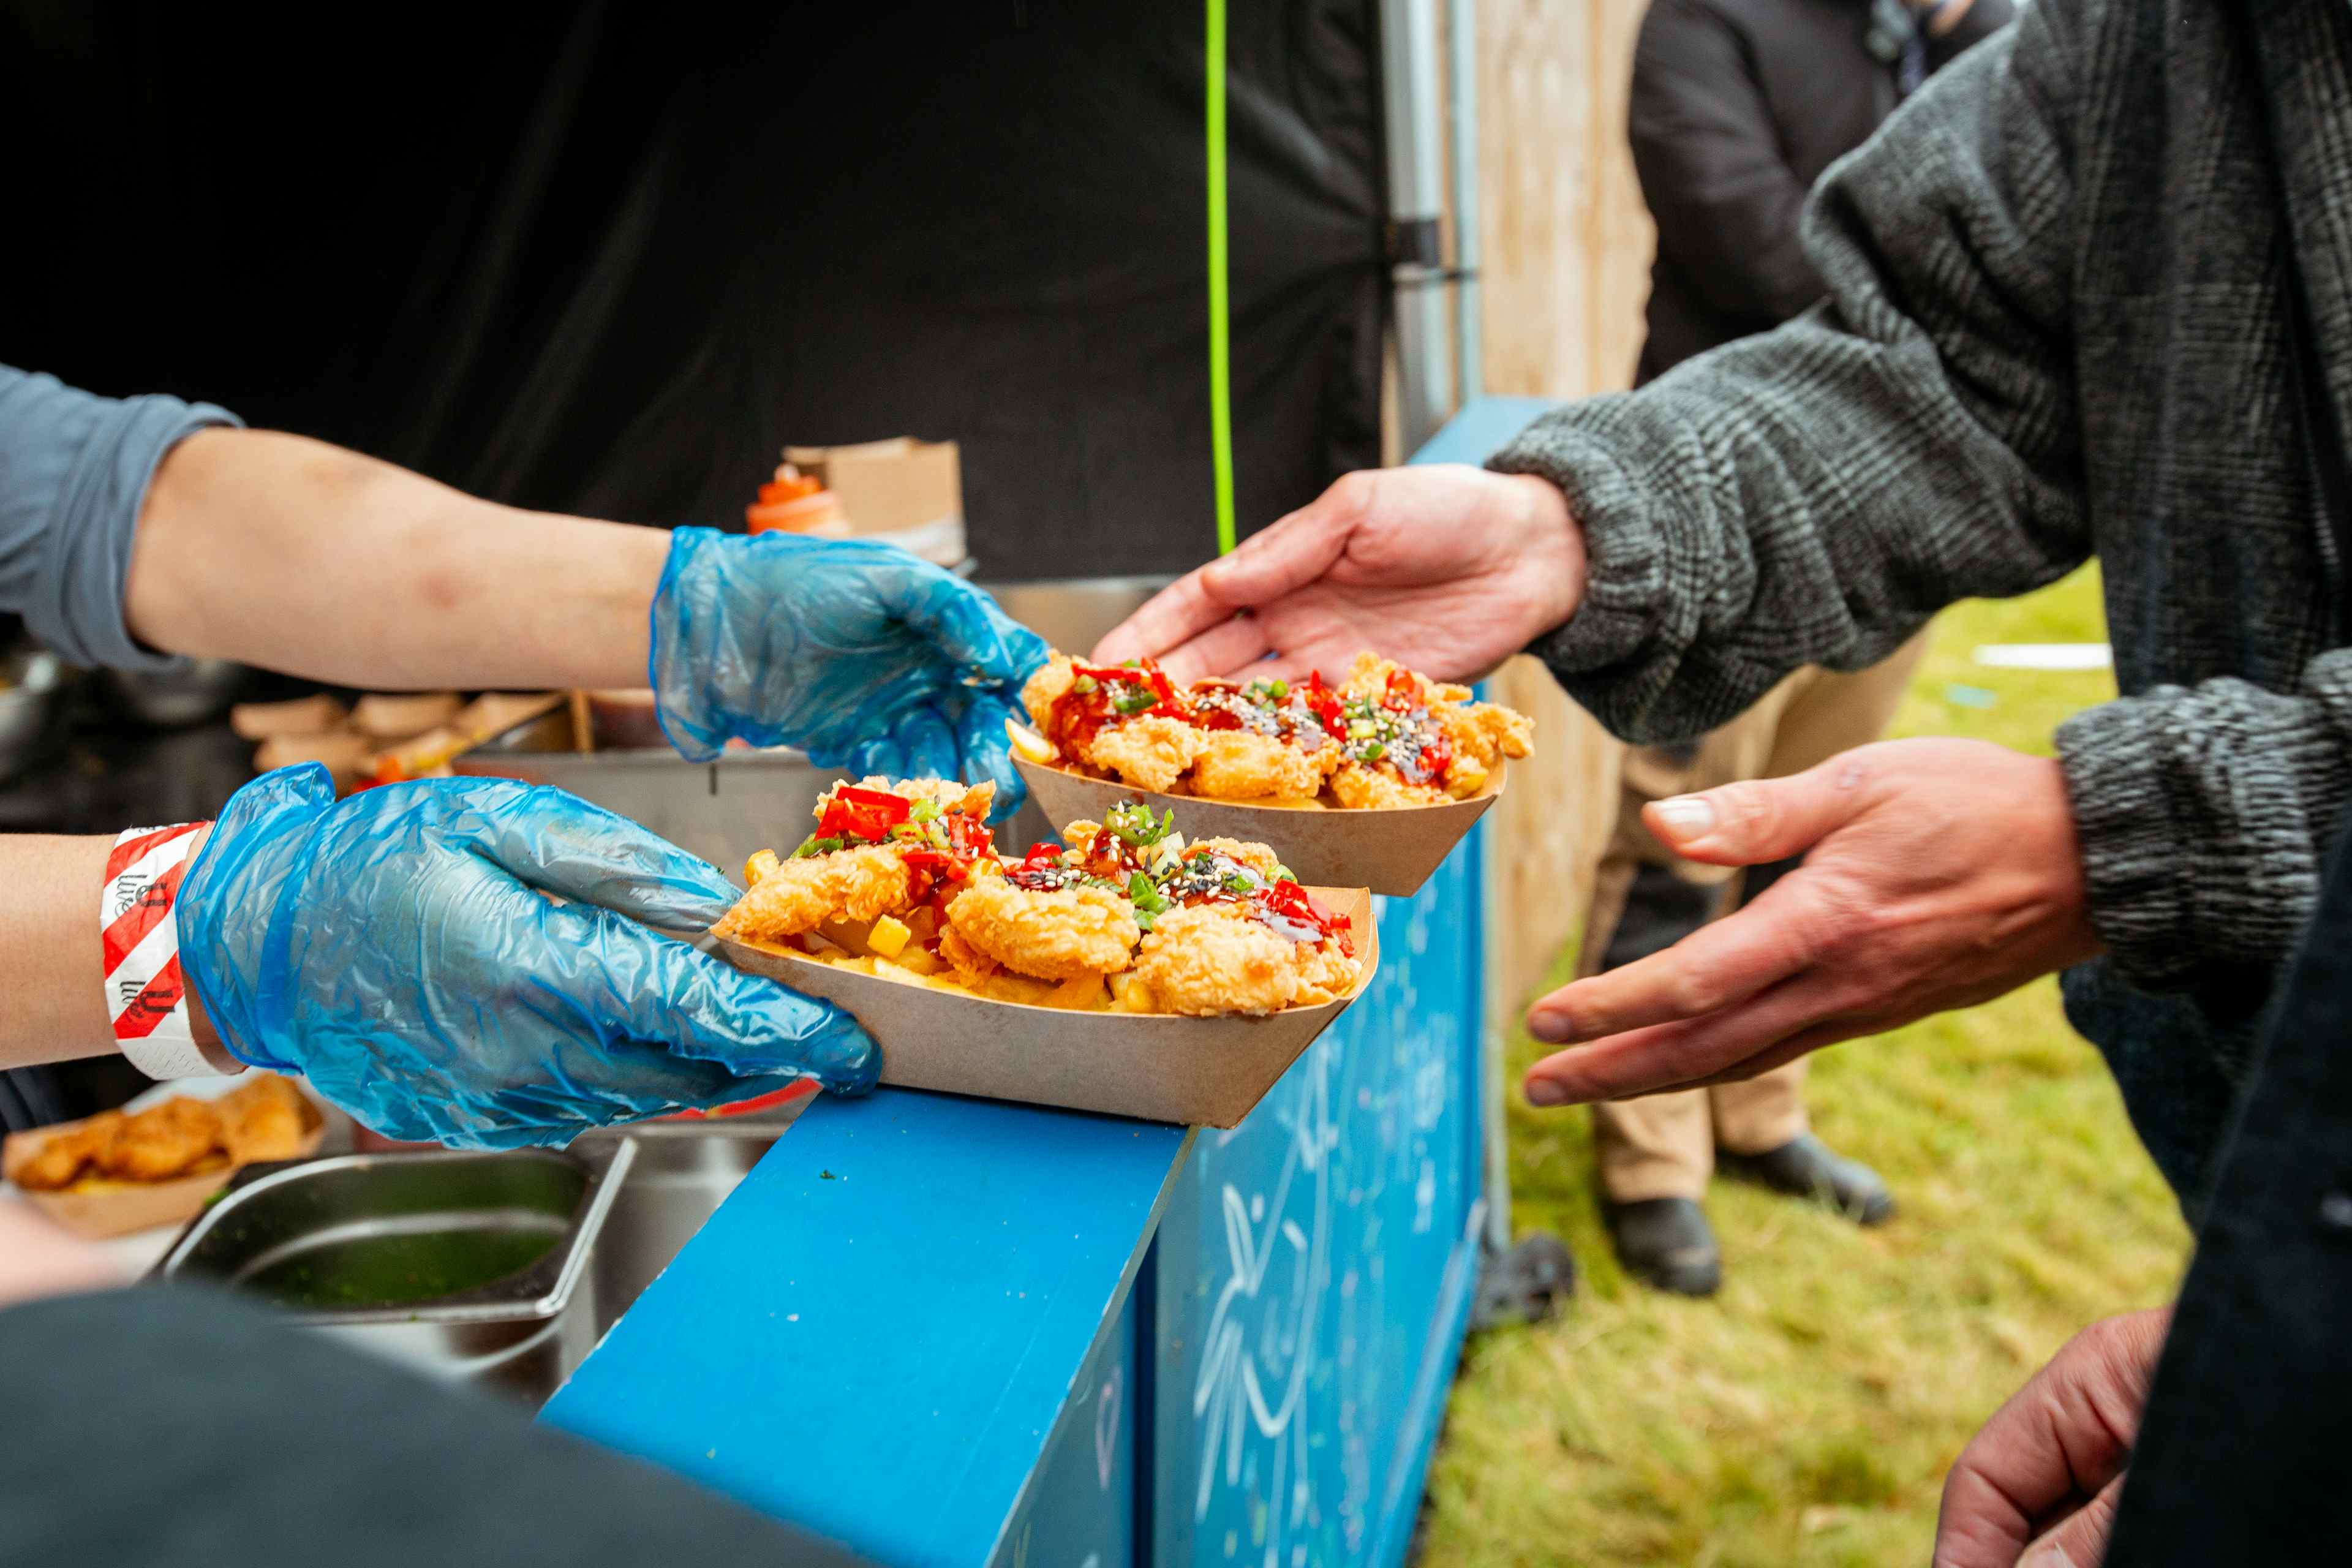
868 659
397 948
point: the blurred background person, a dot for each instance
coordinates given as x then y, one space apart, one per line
1737 105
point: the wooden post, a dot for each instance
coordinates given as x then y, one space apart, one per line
1567 245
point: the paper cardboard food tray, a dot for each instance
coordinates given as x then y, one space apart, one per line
1391 852
104 1208
1205 1073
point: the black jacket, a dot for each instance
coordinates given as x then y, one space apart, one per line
1738 107
2250 1417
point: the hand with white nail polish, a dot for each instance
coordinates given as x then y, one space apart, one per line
2037 1487
1937 874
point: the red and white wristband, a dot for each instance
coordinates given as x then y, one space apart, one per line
145 994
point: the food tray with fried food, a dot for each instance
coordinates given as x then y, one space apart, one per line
1127 970
123 1170
1374 780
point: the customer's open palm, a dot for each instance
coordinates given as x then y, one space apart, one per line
1447 569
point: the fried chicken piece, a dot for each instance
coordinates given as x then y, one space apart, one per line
800 895
1210 958
971 965
1481 734
1053 678
62 1157
1362 788
1151 752
164 1140
262 1120
1256 856
1241 764
1488 732
1325 972
1056 935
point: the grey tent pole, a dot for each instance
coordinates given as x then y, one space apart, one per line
1462 103
1416 216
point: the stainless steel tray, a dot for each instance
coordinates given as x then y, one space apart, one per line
523 1331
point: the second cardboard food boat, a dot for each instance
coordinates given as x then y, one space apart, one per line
981 988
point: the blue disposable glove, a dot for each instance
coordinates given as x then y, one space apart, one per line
861 655
394 949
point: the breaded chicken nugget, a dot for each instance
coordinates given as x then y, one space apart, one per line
164 1140
1241 764
800 895
971 965
62 1157
1061 934
1325 973
1211 958
1486 731
262 1120
1053 678
1360 788
1256 856
1150 753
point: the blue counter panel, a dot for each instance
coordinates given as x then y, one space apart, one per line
1315 1267
1079 1511
891 1321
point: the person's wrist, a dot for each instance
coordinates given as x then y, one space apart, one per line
2057 856
1549 554
208 1038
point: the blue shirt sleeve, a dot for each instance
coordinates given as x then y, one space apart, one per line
74 470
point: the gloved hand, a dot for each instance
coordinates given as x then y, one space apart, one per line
861 655
394 949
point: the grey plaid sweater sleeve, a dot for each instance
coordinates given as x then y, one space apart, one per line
1814 495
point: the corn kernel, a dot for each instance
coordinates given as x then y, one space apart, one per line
763 864
889 936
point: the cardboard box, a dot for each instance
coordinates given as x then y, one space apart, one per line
1391 852
98 1209
901 491
1204 1072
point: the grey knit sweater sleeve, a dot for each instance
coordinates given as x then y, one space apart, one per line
1812 495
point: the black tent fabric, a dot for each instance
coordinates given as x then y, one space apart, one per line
612 260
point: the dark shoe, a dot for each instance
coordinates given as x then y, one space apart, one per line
1805 1167
1524 1283
1667 1243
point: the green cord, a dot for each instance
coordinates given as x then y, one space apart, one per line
1220 330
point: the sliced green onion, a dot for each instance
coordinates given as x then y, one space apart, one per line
924 811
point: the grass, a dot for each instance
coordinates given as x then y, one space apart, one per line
1806 1415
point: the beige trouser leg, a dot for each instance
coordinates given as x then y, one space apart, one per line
1662 1145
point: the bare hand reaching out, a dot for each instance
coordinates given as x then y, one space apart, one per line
1448 569
1937 874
